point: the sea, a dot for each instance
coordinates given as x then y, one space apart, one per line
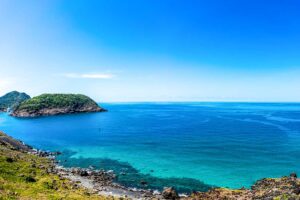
191 146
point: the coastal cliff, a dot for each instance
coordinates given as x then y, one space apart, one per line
11 100
55 104
26 174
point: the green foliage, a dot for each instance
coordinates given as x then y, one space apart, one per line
12 100
25 176
56 101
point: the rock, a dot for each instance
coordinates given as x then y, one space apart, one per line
30 179
83 173
170 193
9 160
156 192
143 182
55 153
8 141
293 175
75 170
91 167
297 191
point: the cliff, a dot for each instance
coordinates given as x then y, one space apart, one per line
55 104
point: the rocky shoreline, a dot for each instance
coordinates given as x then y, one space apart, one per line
101 182
56 111
98 181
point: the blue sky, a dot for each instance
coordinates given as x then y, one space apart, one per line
152 50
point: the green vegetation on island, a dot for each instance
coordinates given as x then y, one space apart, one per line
53 104
11 100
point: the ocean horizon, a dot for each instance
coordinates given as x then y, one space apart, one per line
191 146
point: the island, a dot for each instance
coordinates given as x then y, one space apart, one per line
56 104
11 100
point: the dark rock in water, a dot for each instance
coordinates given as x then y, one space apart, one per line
293 175
170 193
56 153
143 182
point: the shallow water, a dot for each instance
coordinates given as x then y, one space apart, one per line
191 146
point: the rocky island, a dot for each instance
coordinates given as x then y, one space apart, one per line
55 104
11 100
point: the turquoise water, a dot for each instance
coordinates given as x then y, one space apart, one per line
191 146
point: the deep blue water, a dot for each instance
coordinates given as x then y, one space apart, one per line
191 146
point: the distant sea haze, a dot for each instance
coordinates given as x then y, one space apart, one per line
191 146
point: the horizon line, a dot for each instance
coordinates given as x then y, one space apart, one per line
199 101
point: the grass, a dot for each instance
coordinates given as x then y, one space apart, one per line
24 176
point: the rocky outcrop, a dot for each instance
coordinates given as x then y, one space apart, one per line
285 187
56 111
170 193
268 188
56 104
11 143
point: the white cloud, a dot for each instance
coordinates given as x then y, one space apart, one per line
6 84
89 76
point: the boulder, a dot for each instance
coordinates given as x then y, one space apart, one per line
170 193
84 173
293 175
143 182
